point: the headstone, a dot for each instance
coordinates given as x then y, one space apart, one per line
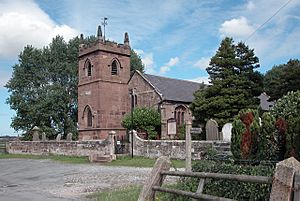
212 132
58 137
44 138
36 134
226 130
69 137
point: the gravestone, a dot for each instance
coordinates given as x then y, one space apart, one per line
212 132
44 138
226 130
69 137
36 134
58 137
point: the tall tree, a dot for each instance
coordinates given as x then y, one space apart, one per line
43 87
234 84
136 62
282 79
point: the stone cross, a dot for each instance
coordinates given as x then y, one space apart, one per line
69 137
58 137
44 138
226 131
212 132
36 134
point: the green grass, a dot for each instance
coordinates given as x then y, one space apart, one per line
59 158
138 161
128 193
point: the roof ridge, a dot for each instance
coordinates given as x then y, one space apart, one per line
174 78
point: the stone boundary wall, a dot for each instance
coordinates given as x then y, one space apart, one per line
67 148
175 149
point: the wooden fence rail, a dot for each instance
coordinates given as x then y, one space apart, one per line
285 183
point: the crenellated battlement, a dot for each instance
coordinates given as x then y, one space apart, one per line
105 45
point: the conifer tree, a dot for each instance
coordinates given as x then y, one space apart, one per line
234 84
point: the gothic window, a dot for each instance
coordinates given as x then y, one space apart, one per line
88 67
89 118
114 68
87 114
179 115
135 100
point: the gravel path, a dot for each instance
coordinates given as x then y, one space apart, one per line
46 180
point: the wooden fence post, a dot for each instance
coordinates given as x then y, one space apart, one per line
188 147
282 186
163 163
297 186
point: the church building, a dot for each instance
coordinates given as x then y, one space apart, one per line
106 90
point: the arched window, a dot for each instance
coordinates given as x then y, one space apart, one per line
89 118
179 115
87 114
114 67
135 100
88 67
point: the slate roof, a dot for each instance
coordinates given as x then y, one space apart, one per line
173 89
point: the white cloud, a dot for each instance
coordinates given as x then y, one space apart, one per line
237 27
202 63
250 5
201 79
147 59
23 23
167 66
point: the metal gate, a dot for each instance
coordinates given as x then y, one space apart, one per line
120 145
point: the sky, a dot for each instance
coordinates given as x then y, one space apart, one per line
175 38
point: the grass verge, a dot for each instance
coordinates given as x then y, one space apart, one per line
128 193
59 158
136 161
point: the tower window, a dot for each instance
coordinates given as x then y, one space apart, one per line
114 68
88 67
89 118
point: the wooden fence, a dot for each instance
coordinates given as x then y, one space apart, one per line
285 182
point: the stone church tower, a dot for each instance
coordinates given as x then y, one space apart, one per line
103 97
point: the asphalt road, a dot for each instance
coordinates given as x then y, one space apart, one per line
46 180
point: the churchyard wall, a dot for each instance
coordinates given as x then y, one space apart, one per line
67 148
175 149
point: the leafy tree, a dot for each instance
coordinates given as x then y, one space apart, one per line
282 79
136 62
43 88
144 119
235 84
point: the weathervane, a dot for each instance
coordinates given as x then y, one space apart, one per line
104 23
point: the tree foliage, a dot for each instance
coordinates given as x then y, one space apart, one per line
43 88
144 119
234 84
282 79
136 62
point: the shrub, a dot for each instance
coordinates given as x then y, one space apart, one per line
226 188
287 110
268 139
244 134
144 119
